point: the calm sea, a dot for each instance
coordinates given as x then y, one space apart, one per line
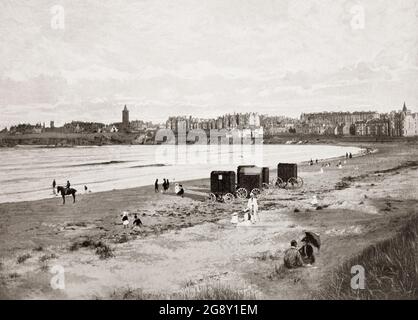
26 172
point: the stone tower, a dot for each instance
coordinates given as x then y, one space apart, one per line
125 118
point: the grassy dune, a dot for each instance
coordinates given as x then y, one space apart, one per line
391 269
215 291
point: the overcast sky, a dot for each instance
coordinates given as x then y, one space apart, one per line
204 58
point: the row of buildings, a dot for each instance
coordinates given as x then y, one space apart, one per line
276 125
239 121
400 123
232 126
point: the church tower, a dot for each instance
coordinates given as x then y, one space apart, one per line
125 118
404 109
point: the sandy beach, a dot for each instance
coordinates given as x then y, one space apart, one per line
189 242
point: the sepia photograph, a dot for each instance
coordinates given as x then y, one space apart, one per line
208 150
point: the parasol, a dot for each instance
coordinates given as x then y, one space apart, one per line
313 238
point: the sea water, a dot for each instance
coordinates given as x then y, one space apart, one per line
27 172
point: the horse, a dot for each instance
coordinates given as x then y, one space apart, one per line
66 192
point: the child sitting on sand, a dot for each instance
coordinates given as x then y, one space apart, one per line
178 189
137 222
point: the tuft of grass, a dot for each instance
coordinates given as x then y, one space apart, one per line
22 258
264 256
134 294
14 275
279 272
122 238
38 248
215 292
341 185
85 243
76 224
189 283
44 266
47 257
391 270
102 249
104 252
206 292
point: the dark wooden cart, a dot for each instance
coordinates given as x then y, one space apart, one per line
222 186
250 180
287 176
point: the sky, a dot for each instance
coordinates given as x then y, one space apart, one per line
83 60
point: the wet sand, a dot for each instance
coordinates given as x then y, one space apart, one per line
188 242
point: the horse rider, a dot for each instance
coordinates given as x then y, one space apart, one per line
68 185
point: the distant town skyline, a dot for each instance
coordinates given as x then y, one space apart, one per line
204 58
58 122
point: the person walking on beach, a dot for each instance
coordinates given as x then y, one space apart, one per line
164 185
54 184
346 155
168 184
350 156
156 186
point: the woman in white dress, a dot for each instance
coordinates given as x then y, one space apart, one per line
252 206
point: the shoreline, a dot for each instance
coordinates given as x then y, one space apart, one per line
362 151
68 140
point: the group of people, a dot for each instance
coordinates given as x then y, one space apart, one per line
136 223
311 162
348 155
296 257
178 188
165 185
